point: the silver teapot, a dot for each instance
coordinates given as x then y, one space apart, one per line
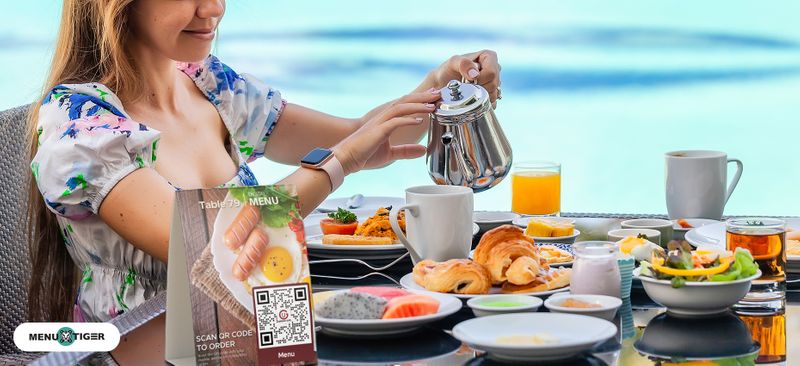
466 146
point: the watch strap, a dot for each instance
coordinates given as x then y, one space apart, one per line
335 172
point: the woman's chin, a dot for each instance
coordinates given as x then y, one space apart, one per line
193 57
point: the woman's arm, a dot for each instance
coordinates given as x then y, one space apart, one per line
301 129
144 199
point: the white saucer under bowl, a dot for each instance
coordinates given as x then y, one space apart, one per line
564 335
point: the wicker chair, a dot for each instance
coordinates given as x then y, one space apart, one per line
14 263
14 259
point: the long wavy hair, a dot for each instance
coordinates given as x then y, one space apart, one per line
90 47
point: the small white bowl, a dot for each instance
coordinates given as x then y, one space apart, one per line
607 310
527 304
558 239
619 234
696 298
488 220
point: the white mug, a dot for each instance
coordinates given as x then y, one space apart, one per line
438 222
695 183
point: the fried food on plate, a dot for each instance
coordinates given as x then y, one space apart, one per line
460 276
378 224
338 239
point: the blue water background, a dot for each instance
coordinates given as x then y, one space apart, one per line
604 87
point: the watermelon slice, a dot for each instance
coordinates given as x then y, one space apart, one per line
387 293
410 306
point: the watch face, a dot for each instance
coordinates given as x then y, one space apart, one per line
316 156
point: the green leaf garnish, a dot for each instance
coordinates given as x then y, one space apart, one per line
343 216
273 215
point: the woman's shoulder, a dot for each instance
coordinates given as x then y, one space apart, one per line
86 144
69 102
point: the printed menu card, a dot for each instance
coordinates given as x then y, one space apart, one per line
238 289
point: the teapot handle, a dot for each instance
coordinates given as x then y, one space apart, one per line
448 140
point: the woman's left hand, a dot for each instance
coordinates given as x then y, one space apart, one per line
481 66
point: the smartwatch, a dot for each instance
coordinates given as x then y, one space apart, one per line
323 159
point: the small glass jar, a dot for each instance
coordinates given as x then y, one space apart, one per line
595 271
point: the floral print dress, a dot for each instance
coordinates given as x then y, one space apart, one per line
87 144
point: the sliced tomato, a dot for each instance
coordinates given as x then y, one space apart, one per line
331 226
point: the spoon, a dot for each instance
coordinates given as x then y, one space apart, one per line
356 201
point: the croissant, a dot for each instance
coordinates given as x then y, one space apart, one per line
524 270
499 247
460 276
553 279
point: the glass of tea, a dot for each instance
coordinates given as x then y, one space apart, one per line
536 188
769 330
765 238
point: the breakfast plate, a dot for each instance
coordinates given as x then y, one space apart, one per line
408 283
565 247
448 305
525 337
370 204
317 249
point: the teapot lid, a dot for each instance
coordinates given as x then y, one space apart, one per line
459 98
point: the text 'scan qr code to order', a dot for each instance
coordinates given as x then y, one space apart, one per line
285 326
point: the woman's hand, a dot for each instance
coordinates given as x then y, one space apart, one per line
480 66
369 146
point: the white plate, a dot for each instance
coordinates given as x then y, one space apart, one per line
378 327
574 334
370 203
494 217
696 223
713 235
315 243
223 258
408 283
558 239
524 220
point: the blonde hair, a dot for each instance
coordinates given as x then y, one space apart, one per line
89 48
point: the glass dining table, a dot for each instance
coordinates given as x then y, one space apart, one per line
646 335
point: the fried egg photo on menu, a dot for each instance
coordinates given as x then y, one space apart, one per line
282 261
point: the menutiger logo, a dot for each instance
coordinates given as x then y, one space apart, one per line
66 337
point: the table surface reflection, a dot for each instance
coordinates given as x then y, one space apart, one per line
646 335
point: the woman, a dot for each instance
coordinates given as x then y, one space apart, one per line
135 108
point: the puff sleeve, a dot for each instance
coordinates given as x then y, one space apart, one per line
86 146
249 108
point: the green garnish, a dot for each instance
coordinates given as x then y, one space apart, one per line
343 216
273 215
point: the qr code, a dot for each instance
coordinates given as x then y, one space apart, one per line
283 315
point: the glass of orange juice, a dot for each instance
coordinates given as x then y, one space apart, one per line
536 188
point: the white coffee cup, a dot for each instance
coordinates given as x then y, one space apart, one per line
695 183
438 222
